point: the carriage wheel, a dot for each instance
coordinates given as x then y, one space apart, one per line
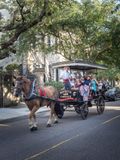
84 111
100 105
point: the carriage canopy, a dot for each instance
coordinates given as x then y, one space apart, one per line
76 65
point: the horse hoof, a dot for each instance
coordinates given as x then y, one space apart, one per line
60 116
56 122
48 125
33 129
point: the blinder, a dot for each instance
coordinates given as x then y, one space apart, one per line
18 87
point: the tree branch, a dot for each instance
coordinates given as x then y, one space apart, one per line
23 27
21 10
98 54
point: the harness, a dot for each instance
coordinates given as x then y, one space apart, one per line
34 93
42 92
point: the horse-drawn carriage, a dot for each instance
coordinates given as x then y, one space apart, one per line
73 98
49 97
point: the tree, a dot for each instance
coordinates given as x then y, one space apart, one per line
86 30
25 15
89 30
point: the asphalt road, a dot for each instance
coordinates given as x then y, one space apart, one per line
96 138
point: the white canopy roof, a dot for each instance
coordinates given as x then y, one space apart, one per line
78 65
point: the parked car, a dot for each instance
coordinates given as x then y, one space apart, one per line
112 94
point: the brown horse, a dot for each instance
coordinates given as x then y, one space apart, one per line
22 84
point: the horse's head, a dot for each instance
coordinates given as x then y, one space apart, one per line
21 83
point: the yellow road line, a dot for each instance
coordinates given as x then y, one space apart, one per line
53 147
111 119
4 125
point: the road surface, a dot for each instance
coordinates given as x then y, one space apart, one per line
96 138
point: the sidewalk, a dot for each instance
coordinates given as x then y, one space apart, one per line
16 111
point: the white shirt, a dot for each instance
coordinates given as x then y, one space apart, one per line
100 84
65 75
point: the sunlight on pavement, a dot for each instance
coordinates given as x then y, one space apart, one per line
113 107
110 107
4 125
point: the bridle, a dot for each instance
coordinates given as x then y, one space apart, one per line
19 88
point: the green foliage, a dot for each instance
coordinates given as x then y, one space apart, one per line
110 73
86 30
12 67
56 84
2 72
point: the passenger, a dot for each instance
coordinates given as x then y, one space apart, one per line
72 81
93 86
66 78
87 80
100 85
77 83
84 91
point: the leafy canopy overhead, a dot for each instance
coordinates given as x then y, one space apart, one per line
86 30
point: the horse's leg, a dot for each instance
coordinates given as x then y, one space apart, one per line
54 114
50 117
30 122
55 118
34 122
31 118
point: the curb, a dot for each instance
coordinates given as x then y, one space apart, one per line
8 120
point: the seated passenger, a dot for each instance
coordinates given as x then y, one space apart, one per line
100 85
93 86
77 83
72 81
